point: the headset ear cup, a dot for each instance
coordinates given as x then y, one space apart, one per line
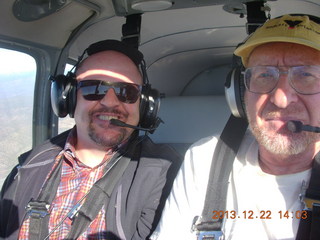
234 92
149 107
63 95
72 98
242 89
58 103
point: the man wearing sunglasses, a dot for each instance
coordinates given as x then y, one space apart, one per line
101 180
273 190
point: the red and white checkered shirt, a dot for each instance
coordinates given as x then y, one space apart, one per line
76 180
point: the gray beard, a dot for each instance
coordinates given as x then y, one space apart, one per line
283 142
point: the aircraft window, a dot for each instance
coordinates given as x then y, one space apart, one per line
68 68
67 122
17 79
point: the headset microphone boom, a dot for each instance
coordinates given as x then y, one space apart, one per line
297 126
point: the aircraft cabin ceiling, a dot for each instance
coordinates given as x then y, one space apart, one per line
180 42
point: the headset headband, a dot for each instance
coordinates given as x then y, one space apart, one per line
114 45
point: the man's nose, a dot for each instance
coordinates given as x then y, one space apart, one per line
110 98
283 95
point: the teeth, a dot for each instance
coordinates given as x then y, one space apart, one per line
106 118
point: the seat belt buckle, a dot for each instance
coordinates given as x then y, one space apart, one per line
37 209
209 235
309 203
204 234
305 198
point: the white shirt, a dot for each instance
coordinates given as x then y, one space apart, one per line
259 205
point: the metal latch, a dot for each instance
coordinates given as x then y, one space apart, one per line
37 209
209 235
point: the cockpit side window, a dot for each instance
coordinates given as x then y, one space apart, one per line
17 80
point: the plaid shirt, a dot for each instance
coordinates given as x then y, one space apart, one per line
76 180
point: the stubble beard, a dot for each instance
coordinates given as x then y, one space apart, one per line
282 142
104 140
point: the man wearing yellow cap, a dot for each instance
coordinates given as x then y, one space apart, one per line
266 195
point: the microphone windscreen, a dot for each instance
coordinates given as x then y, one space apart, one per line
117 122
294 126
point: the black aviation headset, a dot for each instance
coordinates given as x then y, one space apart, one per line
64 87
234 85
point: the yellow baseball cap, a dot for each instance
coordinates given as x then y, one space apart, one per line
288 28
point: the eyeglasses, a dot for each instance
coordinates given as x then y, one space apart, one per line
95 90
264 79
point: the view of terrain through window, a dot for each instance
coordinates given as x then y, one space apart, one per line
17 78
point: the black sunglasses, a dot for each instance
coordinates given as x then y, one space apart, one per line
95 90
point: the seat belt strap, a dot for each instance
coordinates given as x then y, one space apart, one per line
38 210
99 194
304 228
309 226
315 223
313 192
222 161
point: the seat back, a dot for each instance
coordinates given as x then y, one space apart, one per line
190 118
